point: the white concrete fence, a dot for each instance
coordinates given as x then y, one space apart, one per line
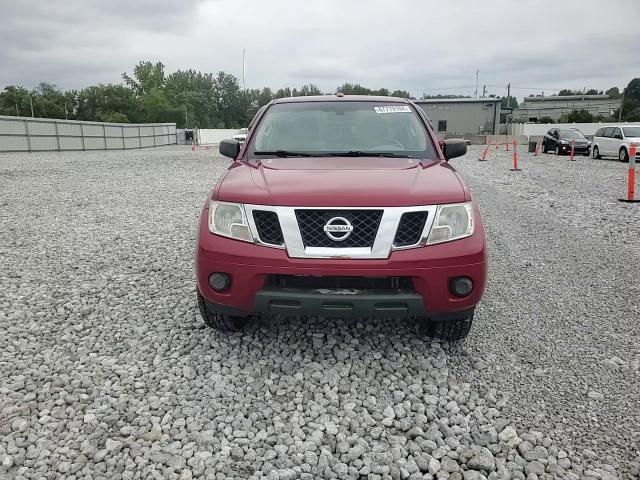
212 136
25 134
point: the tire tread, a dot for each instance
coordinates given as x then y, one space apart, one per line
220 321
451 330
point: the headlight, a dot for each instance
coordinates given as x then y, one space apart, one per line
229 220
452 223
564 142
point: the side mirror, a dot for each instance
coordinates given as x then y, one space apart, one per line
229 148
454 148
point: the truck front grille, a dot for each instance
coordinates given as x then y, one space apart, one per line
365 225
410 228
268 226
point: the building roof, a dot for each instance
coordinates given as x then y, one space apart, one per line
459 100
561 98
343 98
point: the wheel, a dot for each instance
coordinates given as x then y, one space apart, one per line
557 150
596 153
623 156
543 149
220 321
451 330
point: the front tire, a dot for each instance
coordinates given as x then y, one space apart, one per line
623 155
220 321
450 330
596 153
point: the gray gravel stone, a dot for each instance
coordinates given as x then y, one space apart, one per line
106 370
483 460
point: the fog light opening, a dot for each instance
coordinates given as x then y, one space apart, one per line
219 282
461 286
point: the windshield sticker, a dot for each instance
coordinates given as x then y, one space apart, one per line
393 109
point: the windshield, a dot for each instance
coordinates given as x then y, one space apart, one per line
571 134
338 128
631 131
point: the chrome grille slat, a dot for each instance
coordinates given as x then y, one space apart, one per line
384 238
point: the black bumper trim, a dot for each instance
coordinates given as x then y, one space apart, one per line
391 305
379 305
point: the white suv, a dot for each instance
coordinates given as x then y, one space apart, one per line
615 141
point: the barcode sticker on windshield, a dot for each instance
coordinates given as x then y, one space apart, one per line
393 109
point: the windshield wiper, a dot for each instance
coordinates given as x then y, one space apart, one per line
287 153
360 153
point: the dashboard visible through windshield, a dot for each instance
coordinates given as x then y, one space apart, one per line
341 128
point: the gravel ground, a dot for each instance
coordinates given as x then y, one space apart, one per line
106 370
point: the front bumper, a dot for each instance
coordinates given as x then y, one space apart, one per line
580 149
430 268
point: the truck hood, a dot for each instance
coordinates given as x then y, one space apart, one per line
342 181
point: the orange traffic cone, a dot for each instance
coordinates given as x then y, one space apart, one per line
631 178
515 158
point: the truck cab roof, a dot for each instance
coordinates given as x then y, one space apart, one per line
342 98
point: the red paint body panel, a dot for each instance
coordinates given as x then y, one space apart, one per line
430 267
342 182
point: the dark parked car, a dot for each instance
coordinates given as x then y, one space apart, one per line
558 140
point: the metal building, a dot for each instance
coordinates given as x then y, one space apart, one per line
456 117
534 108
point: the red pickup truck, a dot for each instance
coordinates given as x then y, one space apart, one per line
341 206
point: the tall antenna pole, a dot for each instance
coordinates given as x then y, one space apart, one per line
31 103
244 86
621 104
476 92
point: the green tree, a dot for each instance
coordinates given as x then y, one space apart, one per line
631 102
146 77
114 117
401 94
509 102
613 92
157 109
546 120
309 90
577 116
99 102
14 100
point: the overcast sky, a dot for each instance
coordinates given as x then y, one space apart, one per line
415 45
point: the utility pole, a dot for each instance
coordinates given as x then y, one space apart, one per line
621 104
244 86
31 103
476 92
17 111
509 95
484 91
